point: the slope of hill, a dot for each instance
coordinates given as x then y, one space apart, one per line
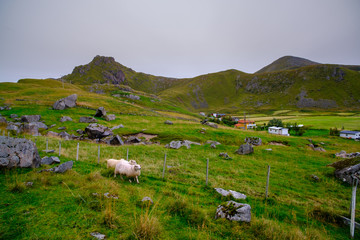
107 70
286 63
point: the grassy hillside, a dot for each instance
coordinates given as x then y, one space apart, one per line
232 91
72 205
286 63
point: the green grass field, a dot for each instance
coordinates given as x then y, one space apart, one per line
72 205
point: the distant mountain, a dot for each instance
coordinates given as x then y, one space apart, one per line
286 63
287 83
106 70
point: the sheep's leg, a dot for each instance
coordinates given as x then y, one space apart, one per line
137 180
115 174
121 177
129 180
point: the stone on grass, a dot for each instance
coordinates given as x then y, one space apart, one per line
147 200
256 141
245 149
49 160
100 112
87 120
18 152
65 119
30 118
61 168
211 124
168 122
110 117
14 116
64 135
117 127
116 140
52 134
234 211
64 103
98 235
3 120
232 193
132 139
346 174
225 156
98 131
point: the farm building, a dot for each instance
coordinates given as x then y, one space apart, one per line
350 134
218 115
279 131
245 124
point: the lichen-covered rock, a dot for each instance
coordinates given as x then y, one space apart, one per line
18 152
245 149
100 112
30 118
68 102
256 141
97 131
234 211
87 120
65 119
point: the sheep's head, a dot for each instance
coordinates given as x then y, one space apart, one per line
132 162
137 167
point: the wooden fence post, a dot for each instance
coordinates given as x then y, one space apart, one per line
47 143
127 154
207 170
267 182
77 152
98 154
163 175
59 148
353 205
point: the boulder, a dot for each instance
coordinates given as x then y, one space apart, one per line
232 193
179 144
65 119
79 131
38 125
61 128
98 131
211 124
52 134
256 141
188 143
65 135
116 140
3 120
168 122
175 144
212 142
343 154
67 102
18 152
49 160
61 168
132 139
234 211
30 118
100 112
224 155
14 116
13 127
117 127
346 174
245 149
110 117
87 120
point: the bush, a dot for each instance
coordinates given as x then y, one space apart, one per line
334 132
275 123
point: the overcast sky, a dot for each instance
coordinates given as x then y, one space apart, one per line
178 38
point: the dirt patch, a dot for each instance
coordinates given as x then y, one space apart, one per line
278 143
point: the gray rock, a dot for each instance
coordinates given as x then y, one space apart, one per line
18 152
175 144
87 120
14 116
3 120
132 139
62 128
168 122
117 127
68 102
234 194
315 178
52 134
179 144
211 124
30 118
256 141
49 160
108 195
212 142
213 145
346 174
234 211
29 184
116 140
65 119
79 131
98 235
132 97
245 149
97 131
225 156
13 127
343 154
100 112
110 117
65 135
61 168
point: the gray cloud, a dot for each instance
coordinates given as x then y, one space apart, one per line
185 38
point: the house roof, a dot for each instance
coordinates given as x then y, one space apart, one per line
245 121
349 132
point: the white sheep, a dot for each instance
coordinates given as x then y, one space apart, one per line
111 163
127 169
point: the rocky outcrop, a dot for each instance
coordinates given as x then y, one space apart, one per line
234 211
61 168
245 149
65 119
346 174
87 120
343 154
68 102
100 112
116 140
30 118
110 117
97 131
179 144
18 152
255 141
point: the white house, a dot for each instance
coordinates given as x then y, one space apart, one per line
350 134
279 131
